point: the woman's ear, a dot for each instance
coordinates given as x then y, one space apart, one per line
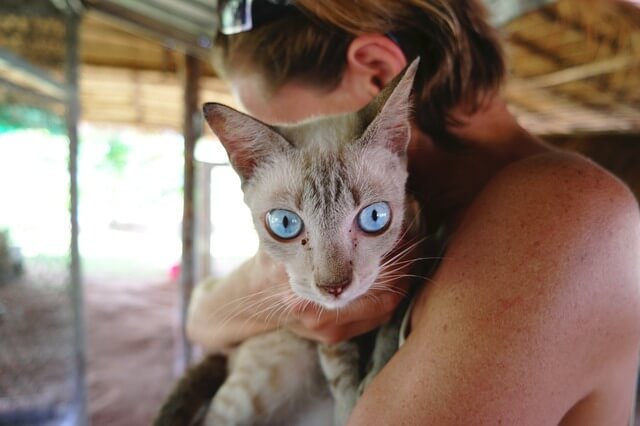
373 60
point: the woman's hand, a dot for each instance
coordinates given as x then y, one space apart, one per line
257 298
361 316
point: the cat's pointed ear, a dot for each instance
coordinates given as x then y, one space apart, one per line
388 114
248 141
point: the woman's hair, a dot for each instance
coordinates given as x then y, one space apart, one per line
461 58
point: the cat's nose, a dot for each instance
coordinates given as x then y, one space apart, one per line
335 288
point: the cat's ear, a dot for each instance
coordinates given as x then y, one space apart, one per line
248 141
388 114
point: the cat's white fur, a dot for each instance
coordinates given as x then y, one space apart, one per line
325 170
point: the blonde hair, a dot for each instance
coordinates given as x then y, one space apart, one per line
461 57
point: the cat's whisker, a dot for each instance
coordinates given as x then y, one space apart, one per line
390 289
291 306
392 270
320 311
406 230
275 309
278 299
287 307
377 300
306 304
276 314
240 300
404 251
264 299
234 313
400 265
398 245
407 246
394 279
402 262
256 314
254 305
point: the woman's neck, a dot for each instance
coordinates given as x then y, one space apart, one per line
450 179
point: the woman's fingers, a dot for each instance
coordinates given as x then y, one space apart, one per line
377 304
361 316
333 334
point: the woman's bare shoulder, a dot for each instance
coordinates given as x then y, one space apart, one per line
553 198
554 229
536 299
562 172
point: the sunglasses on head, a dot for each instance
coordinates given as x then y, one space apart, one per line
238 16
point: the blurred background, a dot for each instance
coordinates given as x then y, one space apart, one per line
115 200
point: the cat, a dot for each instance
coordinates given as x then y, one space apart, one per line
328 201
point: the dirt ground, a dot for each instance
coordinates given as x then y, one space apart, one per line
131 317
36 348
131 352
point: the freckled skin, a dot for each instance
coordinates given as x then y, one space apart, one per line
531 339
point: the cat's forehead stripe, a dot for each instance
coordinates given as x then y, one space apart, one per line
327 186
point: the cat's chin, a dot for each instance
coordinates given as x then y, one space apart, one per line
336 303
333 303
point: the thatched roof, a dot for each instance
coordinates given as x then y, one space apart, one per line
132 79
575 67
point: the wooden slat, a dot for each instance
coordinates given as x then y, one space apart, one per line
581 72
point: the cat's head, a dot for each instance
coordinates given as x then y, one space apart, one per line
327 195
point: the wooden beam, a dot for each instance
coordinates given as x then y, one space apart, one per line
76 292
33 77
536 50
580 72
36 96
149 28
192 128
545 111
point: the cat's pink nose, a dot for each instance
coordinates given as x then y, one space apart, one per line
334 289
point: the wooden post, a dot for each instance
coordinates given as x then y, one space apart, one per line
191 132
76 290
203 220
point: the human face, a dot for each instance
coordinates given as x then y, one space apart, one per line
294 102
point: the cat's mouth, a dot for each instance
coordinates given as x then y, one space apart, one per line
334 299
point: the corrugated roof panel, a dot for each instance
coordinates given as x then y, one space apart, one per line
189 24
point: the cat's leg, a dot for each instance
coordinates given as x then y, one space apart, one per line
269 376
340 365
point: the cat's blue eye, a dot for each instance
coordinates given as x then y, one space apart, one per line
284 224
375 217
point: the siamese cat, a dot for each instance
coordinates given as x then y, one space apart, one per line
328 201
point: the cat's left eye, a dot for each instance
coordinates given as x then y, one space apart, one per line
375 217
284 224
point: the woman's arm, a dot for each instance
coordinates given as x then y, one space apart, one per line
226 311
220 310
536 307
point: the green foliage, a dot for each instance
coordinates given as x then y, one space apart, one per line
117 156
17 117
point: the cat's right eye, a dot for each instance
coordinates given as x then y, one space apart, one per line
375 217
284 224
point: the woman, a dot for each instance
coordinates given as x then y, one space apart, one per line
533 316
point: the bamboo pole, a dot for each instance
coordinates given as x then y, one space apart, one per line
76 290
191 132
